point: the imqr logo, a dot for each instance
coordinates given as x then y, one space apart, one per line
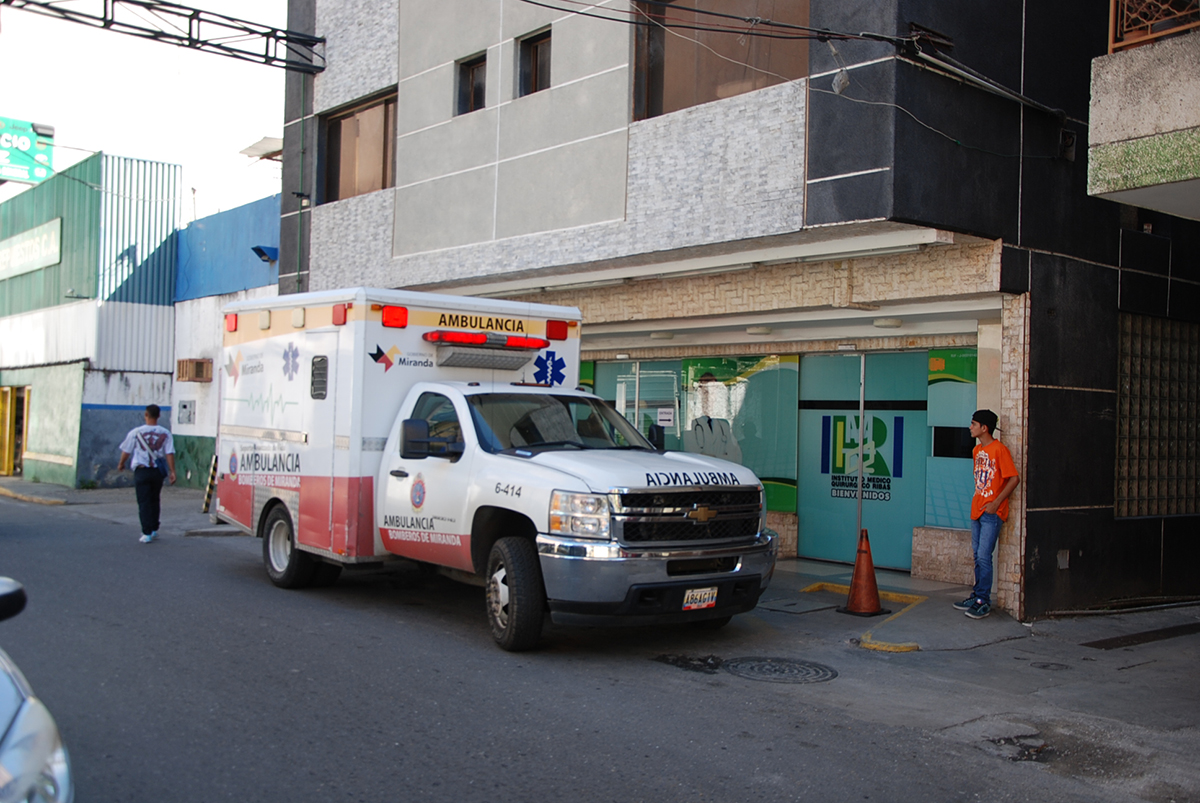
883 451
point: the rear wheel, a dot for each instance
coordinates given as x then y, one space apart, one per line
516 598
287 566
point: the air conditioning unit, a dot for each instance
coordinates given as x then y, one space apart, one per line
194 370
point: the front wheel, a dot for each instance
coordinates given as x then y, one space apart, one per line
287 566
516 598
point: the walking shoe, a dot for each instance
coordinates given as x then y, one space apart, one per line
145 539
965 604
979 610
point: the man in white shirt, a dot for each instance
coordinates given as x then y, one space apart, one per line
147 444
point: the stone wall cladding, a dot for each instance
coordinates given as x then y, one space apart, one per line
352 238
943 555
717 173
1153 89
788 527
1014 368
361 54
932 273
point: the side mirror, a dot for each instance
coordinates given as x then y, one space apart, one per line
12 598
414 439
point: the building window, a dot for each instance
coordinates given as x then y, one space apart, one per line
535 63
689 63
472 84
360 148
1158 418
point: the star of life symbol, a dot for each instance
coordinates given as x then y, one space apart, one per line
550 369
291 361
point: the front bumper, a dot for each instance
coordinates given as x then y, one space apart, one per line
604 583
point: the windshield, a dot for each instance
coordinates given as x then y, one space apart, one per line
511 421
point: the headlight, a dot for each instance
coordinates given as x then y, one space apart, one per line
34 765
580 515
762 508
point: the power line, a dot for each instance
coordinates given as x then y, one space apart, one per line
753 23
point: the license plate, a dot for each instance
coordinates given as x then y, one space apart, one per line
695 599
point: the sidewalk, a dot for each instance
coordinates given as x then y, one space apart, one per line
180 515
921 617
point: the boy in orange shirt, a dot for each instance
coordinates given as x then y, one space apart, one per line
995 479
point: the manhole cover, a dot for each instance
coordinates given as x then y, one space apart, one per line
1050 666
780 670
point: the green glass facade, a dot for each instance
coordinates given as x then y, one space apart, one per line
794 421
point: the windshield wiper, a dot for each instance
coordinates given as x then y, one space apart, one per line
546 444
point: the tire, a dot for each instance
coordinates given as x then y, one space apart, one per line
712 624
325 574
287 566
516 598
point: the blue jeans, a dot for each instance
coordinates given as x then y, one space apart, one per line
984 532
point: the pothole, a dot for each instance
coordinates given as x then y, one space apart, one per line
780 670
1025 749
708 664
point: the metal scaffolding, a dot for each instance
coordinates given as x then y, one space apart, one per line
189 27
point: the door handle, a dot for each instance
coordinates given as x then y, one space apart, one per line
398 472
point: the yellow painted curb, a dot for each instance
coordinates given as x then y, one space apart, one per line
867 641
37 500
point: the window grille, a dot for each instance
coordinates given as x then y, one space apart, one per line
1158 418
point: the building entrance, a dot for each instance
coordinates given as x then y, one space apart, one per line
895 445
14 417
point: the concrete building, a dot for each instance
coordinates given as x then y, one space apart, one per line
87 274
741 216
106 307
217 264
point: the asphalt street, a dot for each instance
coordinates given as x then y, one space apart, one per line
177 672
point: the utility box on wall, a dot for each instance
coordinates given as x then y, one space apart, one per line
194 370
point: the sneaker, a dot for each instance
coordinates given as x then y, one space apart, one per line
979 610
965 604
145 539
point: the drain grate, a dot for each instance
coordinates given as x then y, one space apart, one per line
779 670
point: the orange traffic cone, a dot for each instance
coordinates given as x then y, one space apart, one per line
863 599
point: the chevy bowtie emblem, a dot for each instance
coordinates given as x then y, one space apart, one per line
701 514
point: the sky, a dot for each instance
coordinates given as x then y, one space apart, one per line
104 91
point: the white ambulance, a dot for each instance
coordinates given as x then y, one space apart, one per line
362 426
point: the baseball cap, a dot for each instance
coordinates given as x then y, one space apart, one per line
987 418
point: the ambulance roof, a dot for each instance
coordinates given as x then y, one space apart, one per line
406 298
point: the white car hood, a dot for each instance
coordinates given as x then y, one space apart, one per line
605 469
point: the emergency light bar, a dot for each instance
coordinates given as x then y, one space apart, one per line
394 317
492 340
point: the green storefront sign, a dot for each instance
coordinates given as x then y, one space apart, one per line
26 151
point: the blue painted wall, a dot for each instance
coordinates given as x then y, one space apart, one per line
215 255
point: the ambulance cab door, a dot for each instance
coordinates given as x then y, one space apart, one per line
425 499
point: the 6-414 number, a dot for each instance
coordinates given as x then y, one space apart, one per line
508 490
